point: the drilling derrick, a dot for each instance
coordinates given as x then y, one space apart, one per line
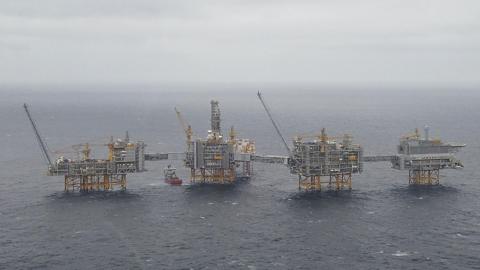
425 157
215 117
321 156
211 160
215 160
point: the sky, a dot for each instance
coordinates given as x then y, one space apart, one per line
428 42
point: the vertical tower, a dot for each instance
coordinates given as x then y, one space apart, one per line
215 117
212 161
215 160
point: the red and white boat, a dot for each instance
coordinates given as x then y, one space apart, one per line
171 176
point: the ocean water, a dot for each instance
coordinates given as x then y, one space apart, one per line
263 223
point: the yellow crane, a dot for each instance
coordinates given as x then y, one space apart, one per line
83 148
322 136
233 135
186 127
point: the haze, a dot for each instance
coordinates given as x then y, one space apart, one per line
149 41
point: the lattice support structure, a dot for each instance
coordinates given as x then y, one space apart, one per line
340 181
86 183
247 168
424 177
309 183
335 182
212 176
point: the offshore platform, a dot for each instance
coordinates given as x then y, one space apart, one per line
422 157
320 161
88 174
216 159
425 157
321 157
325 156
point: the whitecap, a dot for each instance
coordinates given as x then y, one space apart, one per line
154 184
400 254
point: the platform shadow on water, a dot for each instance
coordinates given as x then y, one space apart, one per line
95 195
199 193
424 194
419 190
330 196
305 204
211 187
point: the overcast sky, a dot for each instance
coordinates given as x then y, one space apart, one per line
321 41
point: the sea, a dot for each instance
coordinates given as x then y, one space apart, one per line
260 223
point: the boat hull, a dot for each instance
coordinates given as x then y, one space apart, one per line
174 182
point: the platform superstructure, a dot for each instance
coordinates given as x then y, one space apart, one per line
89 174
424 157
213 160
316 156
324 156
319 160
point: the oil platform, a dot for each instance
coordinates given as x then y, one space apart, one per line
87 174
216 160
425 157
321 157
319 161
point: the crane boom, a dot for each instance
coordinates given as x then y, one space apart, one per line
43 145
180 119
273 122
186 128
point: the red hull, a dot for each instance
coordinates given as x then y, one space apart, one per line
174 182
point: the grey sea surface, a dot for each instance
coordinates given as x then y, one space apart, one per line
262 223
